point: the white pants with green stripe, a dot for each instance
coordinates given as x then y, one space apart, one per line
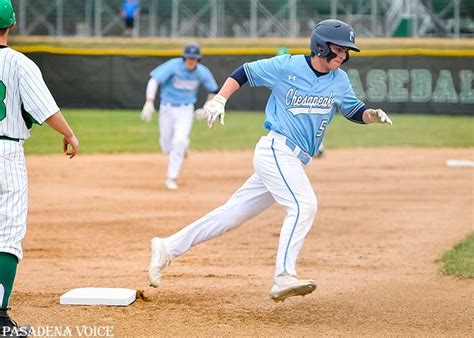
13 197
279 177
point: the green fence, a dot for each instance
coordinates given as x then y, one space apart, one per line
410 83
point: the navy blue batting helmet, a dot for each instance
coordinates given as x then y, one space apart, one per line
192 50
335 32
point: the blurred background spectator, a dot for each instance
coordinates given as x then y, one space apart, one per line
130 10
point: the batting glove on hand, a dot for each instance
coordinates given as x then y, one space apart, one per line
147 111
214 109
379 116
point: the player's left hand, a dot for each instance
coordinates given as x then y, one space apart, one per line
379 116
147 111
73 142
200 114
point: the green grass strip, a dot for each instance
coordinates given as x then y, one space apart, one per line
459 261
122 131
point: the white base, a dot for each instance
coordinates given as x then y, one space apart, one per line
99 296
459 163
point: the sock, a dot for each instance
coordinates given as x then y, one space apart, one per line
8 263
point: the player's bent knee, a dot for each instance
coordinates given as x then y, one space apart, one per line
165 148
180 144
309 206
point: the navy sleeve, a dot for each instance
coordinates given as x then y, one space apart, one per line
357 117
240 76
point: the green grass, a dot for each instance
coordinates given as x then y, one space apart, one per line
459 261
114 131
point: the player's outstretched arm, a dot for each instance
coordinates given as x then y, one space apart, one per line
59 123
215 108
149 106
375 116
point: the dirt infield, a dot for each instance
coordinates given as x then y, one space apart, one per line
385 216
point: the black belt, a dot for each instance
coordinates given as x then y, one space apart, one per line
2 137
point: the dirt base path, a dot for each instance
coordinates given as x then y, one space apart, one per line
385 216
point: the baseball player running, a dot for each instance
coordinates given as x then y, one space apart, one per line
24 100
179 79
306 91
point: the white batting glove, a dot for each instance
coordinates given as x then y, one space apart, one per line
379 116
147 111
200 114
215 109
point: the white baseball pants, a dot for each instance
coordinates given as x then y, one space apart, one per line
175 124
279 177
13 197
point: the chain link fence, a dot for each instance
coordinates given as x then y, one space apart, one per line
246 18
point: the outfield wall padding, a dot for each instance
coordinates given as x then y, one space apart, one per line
402 84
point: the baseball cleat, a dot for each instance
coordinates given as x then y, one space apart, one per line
9 328
159 259
171 184
289 286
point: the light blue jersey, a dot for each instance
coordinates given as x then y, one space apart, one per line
302 104
180 85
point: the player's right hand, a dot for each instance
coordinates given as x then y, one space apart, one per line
147 111
215 109
73 142
379 116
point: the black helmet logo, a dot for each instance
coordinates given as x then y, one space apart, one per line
351 36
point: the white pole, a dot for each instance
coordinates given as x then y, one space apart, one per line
59 17
373 24
174 18
333 9
152 18
98 18
214 18
457 18
293 19
253 18
88 16
23 18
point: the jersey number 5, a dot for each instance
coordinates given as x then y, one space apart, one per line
322 128
3 107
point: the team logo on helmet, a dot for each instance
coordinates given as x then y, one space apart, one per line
351 36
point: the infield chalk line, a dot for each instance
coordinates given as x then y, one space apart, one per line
459 163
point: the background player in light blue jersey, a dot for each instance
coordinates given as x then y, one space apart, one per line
179 80
306 93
